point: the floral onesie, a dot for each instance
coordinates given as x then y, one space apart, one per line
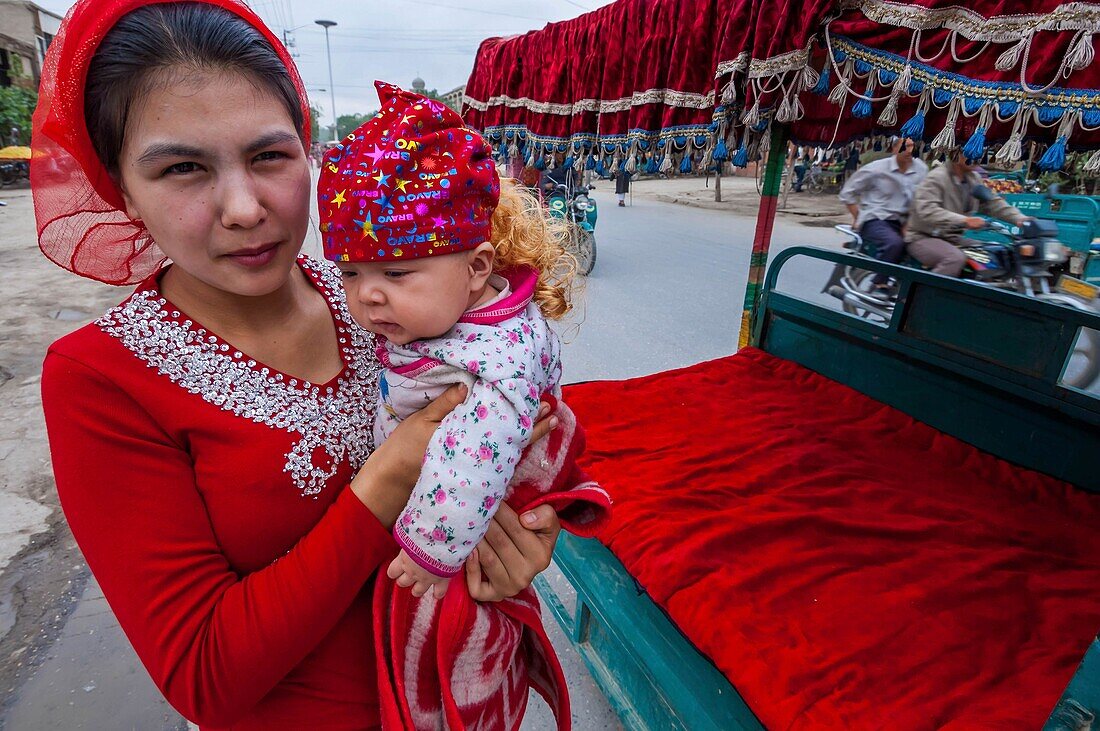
507 356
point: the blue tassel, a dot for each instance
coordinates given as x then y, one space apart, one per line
1007 108
651 166
685 164
1055 156
972 105
941 96
600 169
974 148
861 109
741 157
914 128
887 77
915 87
568 163
622 166
591 163
1049 114
761 125
1091 117
712 127
721 153
862 67
540 163
822 86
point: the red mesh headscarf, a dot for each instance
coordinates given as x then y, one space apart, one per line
81 222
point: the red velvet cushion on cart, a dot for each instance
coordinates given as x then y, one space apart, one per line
845 566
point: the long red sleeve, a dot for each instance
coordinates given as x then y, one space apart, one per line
216 640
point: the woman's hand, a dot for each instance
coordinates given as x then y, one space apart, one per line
514 550
390 473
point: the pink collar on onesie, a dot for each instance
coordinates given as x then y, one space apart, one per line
512 300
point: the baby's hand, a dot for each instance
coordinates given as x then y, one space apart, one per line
407 572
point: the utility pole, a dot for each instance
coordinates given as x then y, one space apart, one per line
326 24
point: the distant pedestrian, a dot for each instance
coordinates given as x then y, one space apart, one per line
852 163
622 186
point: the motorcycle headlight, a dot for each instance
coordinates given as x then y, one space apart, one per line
581 204
1054 251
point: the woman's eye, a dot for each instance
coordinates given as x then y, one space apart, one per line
346 274
395 275
181 168
270 155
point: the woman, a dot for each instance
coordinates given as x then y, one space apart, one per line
210 436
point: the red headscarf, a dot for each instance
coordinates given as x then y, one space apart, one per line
81 222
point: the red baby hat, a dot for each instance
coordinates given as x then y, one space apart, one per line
411 182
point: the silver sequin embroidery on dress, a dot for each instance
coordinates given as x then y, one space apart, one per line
336 419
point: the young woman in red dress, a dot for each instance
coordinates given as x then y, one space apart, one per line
211 434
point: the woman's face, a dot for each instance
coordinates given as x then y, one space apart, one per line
212 164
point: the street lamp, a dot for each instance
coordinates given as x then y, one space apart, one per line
326 24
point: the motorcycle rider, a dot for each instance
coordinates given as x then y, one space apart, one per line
941 213
879 195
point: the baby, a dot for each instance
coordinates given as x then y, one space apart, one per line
455 275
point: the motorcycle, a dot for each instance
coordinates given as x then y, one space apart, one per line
11 171
579 209
1030 263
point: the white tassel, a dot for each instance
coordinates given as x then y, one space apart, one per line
1082 54
1092 165
729 93
945 140
889 116
578 163
666 163
1008 60
708 159
513 151
752 117
790 109
631 163
905 77
551 163
810 76
1013 149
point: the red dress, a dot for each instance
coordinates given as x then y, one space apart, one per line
207 493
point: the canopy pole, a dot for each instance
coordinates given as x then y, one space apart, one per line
765 218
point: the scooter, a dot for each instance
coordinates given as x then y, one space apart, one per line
11 171
1030 263
579 209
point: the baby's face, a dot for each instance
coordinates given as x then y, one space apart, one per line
410 300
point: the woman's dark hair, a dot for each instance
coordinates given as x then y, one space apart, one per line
157 37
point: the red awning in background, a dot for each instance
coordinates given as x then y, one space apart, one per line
657 84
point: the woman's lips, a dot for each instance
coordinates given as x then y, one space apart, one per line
255 257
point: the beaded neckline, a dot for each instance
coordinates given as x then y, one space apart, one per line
336 416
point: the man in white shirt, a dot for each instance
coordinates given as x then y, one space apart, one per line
878 196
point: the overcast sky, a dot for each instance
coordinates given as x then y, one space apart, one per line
394 41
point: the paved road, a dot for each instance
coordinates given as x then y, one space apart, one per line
666 292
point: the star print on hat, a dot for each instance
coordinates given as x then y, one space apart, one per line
411 182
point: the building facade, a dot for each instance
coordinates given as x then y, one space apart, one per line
26 31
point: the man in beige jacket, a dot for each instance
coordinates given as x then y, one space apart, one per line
941 213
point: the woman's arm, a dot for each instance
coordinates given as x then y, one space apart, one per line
214 642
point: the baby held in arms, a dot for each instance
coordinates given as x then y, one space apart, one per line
456 274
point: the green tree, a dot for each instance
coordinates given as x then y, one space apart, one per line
346 123
314 127
16 107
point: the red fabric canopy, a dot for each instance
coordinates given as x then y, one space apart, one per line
657 82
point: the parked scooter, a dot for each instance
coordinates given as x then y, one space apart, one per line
1030 263
12 171
579 209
